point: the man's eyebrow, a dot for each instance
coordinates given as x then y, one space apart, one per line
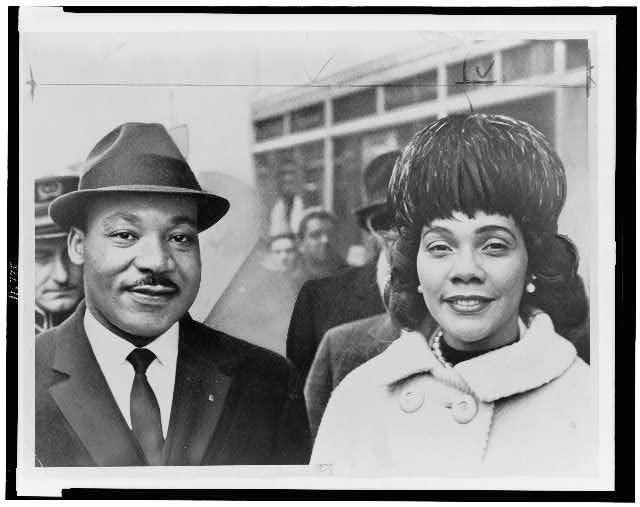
119 215
184 219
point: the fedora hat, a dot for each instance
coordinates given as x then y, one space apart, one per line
46 190
136 158
376 178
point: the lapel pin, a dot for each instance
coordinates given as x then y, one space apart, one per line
211 397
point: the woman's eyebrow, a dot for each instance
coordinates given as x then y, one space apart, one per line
436 230
493 228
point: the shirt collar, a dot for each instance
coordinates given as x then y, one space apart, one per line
539 356
110 347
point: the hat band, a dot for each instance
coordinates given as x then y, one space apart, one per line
144 169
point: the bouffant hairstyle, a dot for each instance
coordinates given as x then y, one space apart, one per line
498 165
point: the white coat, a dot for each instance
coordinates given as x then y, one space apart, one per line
523 409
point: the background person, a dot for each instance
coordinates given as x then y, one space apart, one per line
58 282
352 294
495 389
130 379
283 253
317 244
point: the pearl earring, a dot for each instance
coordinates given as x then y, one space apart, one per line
419 289
531 287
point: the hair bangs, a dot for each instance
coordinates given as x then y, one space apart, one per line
472 163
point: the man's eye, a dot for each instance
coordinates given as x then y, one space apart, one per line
183 239
123 236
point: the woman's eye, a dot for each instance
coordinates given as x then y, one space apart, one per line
438 249
495 247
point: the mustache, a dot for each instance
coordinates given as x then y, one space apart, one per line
153 279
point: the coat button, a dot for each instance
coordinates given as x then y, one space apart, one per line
464 409
411 400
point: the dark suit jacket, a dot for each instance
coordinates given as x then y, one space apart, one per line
233 403
343 349
328 302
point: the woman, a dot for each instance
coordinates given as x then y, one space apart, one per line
495 389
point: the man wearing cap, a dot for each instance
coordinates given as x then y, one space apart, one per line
130 379
352 294
58 282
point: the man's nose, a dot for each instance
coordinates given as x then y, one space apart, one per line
154 255
467 266
60 272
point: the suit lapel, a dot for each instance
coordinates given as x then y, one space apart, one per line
85 400
383 332
198 401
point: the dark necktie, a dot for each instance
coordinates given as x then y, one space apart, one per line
145 411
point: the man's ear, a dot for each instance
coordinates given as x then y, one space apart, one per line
75 246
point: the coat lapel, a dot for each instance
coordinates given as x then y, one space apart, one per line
198 401
85 400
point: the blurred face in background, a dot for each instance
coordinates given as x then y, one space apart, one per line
288 179
317 244
58 281
283 253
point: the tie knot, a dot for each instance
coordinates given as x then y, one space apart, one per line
141 359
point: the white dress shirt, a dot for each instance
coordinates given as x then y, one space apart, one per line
111 351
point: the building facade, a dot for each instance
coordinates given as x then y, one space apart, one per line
330 129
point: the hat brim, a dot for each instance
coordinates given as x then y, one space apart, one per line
381 215
70 209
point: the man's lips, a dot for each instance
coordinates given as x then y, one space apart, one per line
154 290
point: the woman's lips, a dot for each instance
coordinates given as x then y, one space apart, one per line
468 304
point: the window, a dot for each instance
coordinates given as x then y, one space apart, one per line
307 118
354 106
577 51
418 88
470 75
269 127
531 59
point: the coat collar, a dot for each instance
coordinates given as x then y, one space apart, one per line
87 404
537 358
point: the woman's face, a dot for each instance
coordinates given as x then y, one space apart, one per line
472 272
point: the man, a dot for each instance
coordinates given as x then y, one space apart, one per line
58 282
283 254
351 295
130 379
317 236
289 206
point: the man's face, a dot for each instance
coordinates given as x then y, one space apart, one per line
317 243
58 281
288 179
141 261
284 253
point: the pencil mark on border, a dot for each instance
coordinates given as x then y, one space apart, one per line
589 79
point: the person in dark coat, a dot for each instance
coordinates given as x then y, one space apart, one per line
130 379
347 296
58 287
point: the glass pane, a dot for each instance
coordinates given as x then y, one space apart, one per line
470 75
533 58
307 118
577 50
269 127
354 106
418 88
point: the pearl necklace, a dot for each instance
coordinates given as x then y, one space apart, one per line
438 351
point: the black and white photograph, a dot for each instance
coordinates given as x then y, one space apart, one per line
316 251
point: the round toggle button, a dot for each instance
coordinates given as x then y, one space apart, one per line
411 400
464 409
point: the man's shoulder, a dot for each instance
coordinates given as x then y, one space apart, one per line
223 347
354 329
